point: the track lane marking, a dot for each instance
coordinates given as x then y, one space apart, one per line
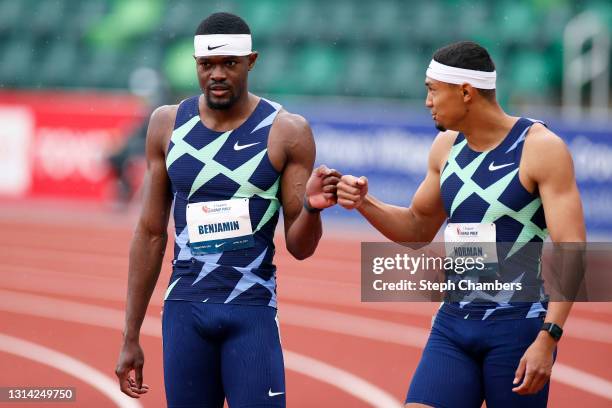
77 312
69 365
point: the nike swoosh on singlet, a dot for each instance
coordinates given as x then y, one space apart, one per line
238 147
274 394
214 48
493 167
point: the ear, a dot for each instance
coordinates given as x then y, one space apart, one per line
252 58
468 92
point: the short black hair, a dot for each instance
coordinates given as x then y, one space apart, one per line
467 55
223 23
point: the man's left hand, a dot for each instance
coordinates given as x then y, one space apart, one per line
321 187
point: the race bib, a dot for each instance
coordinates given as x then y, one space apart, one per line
218 226
473 248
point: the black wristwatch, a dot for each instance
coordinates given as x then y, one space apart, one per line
554 330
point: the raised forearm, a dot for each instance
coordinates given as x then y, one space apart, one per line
304 234
399 224
146 255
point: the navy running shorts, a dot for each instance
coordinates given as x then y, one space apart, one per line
468 361
217 351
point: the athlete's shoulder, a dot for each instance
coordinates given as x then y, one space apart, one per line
541 140
441 147
545 152
292 131
161 124
290 123
164 114
291 139
539 130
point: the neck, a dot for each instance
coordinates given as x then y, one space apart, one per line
222 120
486 126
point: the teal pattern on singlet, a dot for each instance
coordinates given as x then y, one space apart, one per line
484 187
205 165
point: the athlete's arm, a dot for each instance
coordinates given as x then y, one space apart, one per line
146 251
303 228
549 165
418 223
560 197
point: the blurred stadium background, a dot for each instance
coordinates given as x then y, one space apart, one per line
344 47
354 69
78 80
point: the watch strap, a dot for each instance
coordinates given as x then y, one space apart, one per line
554 330
310 209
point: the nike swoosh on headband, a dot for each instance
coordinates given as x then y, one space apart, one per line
232 44
214 48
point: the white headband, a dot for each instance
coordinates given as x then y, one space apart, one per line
222 44
453 75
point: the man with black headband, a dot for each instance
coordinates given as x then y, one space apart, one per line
502 179
227 160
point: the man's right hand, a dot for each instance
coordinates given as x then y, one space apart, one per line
131 358
351 191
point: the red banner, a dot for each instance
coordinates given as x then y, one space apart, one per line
55 144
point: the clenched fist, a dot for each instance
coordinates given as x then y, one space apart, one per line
321 187
351 190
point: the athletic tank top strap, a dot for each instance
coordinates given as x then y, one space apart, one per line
187 109
516 137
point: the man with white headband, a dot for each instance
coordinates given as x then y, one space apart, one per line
502 179
227 161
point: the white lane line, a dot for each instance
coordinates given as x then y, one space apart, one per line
71 311
588 329
111 318
585 381
411 336
320 291
316 318
357 326
350 383
66 283
71 366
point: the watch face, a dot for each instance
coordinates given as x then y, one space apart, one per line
554 330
